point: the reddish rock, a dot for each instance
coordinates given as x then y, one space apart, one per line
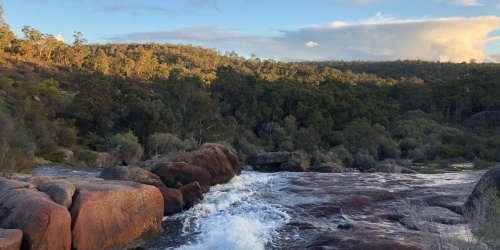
175 173
191 195
69 156
219 161
172 200
60 191
130 173
10 239
34 181
45 224
115 214
6 184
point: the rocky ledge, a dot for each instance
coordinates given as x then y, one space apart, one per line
123 209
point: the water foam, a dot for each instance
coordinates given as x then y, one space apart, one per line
233 216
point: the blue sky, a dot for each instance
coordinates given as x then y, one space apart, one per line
446 30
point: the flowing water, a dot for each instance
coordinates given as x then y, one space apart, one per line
320 211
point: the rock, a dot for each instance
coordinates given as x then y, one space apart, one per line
481 194
484 121
272 158
115 214
174 174
45 224
135 174
328 167
172 200
60 191
69 157
219 161
277 161
408 171
293 166
35 181
191 195
6 184
10 239
104 160
389 168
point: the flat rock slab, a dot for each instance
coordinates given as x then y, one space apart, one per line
10 239
115 214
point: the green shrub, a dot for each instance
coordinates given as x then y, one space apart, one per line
86 156
126 148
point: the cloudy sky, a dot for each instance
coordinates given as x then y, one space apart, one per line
289 30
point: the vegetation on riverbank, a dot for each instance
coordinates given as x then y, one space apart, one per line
140 100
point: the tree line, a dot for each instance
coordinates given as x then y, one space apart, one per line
142 100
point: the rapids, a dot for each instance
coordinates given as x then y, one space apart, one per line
324 211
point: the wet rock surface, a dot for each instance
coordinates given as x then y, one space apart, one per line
370 211
175 173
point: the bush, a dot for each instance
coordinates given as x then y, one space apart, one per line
166 143
126 148
86 156
364 161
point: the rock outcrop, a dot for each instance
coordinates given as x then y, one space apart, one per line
191 195
219 161
172 200
328 167
293 166
44 223
135 174
60 191
115 214
173 173
277 161
481 194
104 160
10 239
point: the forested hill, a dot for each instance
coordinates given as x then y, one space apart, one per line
141 100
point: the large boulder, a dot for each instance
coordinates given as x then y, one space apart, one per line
191 195
172 200
219 161
293 166
484 121
328 167
135 174
272 158
60 191
172 173
115 214
45 224
104 160
481 194
277 161
10 239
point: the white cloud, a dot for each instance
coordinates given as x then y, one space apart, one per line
467 2
379 38
59 37
311 44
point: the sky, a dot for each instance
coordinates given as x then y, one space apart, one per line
283 30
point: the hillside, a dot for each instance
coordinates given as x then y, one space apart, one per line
141 100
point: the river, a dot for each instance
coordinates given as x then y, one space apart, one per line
324 211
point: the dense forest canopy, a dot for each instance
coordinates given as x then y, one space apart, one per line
141 100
